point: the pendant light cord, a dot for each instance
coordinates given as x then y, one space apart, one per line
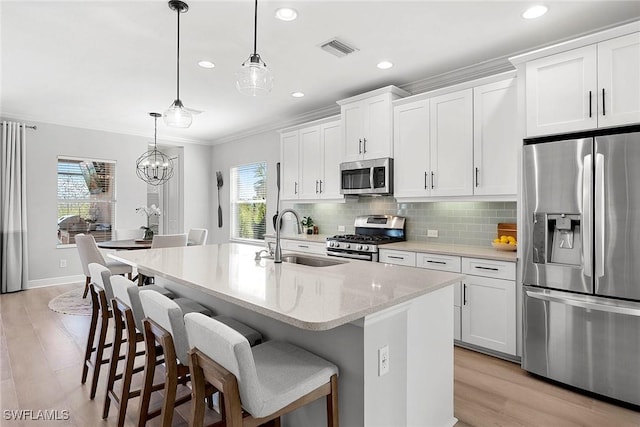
255 28
178 58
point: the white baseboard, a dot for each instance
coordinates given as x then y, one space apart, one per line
54 281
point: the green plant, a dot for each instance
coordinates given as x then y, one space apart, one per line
307 221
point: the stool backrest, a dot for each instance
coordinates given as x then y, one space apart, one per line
168 240
88 251
169 316
197 236
101 277
229 349
128 292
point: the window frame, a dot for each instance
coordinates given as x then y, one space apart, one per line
233 202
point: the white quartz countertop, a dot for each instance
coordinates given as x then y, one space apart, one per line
312 298
457 250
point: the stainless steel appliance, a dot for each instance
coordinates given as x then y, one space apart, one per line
367 177
581 313
370 232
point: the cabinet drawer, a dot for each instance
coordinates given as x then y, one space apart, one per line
397 257
439 262
306 247
489 268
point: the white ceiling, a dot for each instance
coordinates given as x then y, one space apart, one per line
107 64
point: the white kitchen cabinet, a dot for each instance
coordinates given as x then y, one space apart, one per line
593 86
289 155
412 169
495 138
391 256
489 305
367 122
311 156
316 248
451 129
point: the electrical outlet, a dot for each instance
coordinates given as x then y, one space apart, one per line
341 228
383 360
63 263
432 233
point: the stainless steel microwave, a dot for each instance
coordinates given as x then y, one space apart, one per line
367 177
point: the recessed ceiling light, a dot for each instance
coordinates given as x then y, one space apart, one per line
384 65
206 64
534 12
286 14
297 94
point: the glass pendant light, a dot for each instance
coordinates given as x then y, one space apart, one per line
154 167
254 78
177 115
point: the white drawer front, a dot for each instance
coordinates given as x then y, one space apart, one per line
298 246
397 257
489 268
439 262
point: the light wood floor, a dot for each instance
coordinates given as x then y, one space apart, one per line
41 361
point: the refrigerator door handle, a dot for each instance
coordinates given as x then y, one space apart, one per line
587 206
618 307
599 215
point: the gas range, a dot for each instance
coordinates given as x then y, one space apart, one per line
370 232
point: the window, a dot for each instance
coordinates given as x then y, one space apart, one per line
249 201
86 199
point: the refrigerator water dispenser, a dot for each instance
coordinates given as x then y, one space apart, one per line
557 239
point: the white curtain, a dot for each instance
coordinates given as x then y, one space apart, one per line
13 208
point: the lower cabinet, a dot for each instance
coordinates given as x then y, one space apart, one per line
316 248
484 303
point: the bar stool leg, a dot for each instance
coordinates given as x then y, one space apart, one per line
92 336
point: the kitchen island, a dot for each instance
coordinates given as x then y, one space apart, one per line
344 312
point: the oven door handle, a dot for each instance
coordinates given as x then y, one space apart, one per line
349 255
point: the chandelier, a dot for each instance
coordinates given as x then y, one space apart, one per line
154 167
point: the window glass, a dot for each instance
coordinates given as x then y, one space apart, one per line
249 201
86 199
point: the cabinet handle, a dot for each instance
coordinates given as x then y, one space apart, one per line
590 104
477 182
303 246
316 186
320 186
432 181
436 262
295 188
395 257
425 180
464 294
360 146
364 140
603 109
486 268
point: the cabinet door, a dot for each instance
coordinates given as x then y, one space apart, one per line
411 150
330 141
289 168
452 144
352 130
489 313
310 163
377 137
495 138
619 78
561 92
390 256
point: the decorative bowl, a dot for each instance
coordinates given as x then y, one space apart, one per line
504 246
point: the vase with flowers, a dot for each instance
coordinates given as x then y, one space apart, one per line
150 211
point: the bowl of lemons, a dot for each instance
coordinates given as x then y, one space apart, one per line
505 243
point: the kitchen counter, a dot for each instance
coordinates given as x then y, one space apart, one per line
456 250
346 313
312 298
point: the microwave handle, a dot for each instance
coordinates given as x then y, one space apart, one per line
371 177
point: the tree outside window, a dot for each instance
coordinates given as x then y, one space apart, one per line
249 201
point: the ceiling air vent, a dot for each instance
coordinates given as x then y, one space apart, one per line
337 48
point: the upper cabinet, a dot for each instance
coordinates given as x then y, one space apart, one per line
458 143
593 86
311 157
367 124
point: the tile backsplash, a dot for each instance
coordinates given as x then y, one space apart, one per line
462 223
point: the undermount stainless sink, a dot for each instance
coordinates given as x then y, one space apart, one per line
311 261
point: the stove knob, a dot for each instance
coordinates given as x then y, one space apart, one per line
359 247
365 248
347 245
330 244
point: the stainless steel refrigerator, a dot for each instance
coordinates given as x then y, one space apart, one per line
581 261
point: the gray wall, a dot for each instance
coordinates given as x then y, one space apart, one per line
49 141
